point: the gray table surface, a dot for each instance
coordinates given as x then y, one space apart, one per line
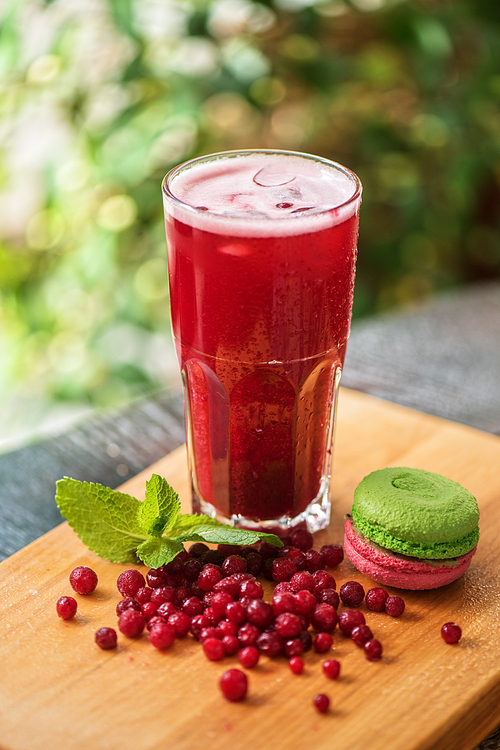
442 358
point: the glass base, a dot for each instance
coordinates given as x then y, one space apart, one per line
315 517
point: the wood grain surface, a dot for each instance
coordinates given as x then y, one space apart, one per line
57 689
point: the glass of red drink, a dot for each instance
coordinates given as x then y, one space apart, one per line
261 252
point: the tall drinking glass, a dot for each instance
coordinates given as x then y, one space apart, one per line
261 253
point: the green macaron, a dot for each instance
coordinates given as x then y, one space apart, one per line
416 513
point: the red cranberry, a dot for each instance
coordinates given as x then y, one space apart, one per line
198 622
209 632
231 644
230 585
124 604
129 582
166 609
234 685
305 603
106 638
254 563
270 643
83 580
251 589
360 634
155 578
196 591
288 625
349 618
66 607
225 627
149 609
302 581
214 649
163 594
192 606
284 601
322 642
154 621
229 549
324 618
235 612
293 647
249 657
233 564
321 703
331 668
209 576
451 632
373 650
306 639
283 586
144 595
376 598
267 551
323 580
192 569
314 561
297 557
162 635
333 554
283 569
296 664
248 634
212 557
219 601
260 613
181 623
131 623
212 616
181 594
329 596
301 538
352 594
394 606
198 549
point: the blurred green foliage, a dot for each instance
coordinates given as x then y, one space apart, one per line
98 99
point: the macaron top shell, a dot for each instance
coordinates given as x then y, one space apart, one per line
417 513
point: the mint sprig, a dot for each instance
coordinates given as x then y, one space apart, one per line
119 528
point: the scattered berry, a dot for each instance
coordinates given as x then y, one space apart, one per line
376 599
324 618
394 606
333 554
106 638
349 619
234 685
451 632
129 582
321 703
373 650
296 664
209 576
249 657
282 569
331 668
360 634
352 594
231 644
162 635
302 539
66 607
83 580
314 561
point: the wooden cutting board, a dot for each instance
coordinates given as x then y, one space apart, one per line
58 689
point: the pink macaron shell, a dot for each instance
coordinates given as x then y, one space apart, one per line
399 572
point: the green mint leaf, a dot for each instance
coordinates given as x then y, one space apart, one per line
158 551
158 513
104 519
203 529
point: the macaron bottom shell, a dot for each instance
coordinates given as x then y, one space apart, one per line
398 572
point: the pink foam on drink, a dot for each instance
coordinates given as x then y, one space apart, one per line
263 195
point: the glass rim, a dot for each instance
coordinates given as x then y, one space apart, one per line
172 173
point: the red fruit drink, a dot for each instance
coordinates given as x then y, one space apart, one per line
261 251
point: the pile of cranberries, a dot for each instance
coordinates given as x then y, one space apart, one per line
214 596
